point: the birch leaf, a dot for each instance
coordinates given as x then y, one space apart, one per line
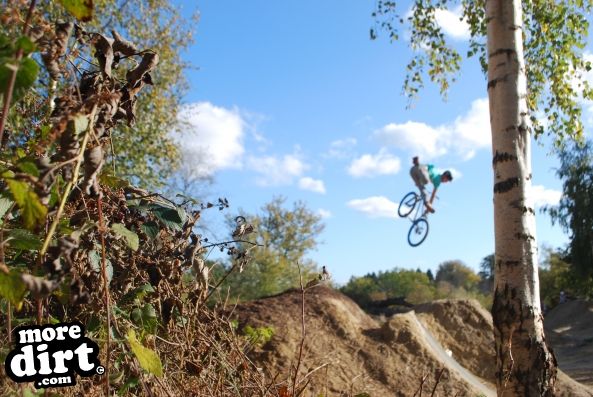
81 9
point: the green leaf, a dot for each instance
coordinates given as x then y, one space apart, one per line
148 359
26 75
149 318
28 167
6 48
55 191
151 229
12 288
81 9
145 317
5 205
137 294
168 216
25 44
113 181
130 384
136 316
32 210
95 261
78 124
33 393
22 239
130 237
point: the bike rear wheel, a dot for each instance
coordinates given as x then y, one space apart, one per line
407 205
418 232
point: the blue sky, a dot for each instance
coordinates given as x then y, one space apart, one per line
294 99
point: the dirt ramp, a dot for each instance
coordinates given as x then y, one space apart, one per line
464 328
348 351
569 329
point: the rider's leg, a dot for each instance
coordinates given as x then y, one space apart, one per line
425 200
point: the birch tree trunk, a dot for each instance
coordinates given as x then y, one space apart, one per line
525 365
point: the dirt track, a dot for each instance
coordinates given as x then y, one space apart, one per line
348 352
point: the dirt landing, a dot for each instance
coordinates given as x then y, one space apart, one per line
569 328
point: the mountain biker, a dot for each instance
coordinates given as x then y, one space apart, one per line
422 174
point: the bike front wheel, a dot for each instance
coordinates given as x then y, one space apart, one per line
407 205
418 232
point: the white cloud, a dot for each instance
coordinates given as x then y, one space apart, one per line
419 138
313 185
383 163
463 137
210 138
341 148
324 214
276 170
375 207
542 196
452 23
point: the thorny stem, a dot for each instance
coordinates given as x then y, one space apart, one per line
70 184
232 268
106 291
67 191
8 307
303 332
421 386
12 78
434 389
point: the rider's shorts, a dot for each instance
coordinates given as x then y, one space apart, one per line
420 176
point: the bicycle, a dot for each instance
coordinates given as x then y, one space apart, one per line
419 229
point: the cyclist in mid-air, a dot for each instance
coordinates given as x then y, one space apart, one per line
424 173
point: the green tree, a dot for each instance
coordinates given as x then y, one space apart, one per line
554 34
457 274
286 236
555 276
574 212
361 289
486 274
412 285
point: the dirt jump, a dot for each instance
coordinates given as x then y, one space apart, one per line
444 346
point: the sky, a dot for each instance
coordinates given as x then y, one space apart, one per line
295 99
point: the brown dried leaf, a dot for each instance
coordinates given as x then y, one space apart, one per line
56 49
149 62
93 162
104 53
122 45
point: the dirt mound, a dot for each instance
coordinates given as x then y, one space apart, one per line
569 329
464 328
348 352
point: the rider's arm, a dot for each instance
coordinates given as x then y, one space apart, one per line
433 195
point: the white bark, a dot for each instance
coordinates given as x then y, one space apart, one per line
525 366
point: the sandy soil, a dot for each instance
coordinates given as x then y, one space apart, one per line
569 329
347 351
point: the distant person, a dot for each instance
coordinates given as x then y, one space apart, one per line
423 174
562 297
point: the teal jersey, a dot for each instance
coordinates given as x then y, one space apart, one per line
435 177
